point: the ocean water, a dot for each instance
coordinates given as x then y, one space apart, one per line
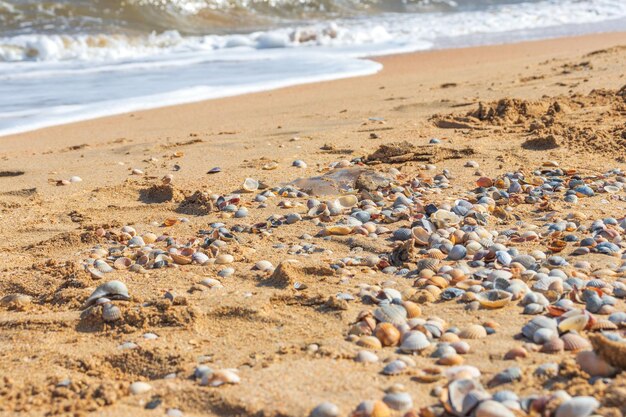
70 60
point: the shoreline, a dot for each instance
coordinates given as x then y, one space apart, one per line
177 100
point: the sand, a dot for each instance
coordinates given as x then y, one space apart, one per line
505 107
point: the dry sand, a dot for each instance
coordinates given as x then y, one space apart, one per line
263 330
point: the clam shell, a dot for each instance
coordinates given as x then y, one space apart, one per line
516 352
492 408
114 290
420 235
494 298
111 313
388 334
462 396
539 322
533 308
394 367
577 407
391 313
414 341
348 201
554 345
102 266
400 401
365 356
200 258
264 266
577 323
325 409
180 259
136 242
224 258
319 210
372 409
474 331
506 376
337 230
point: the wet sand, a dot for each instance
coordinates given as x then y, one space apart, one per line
290 347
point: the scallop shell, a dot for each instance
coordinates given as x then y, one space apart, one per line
490 408
516 352
611 351
114 290
414 341
391 313
122 263
554 345
474 331
574 342
365 356
536 323
494 298
604 325
111 313
369 342
180 259
412 309
388 334
394 367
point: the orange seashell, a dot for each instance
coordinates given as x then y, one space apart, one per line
388 334
484 182
556 311
169 222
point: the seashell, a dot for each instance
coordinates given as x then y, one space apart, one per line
122 263
554 345
577 323
590 362
264 266
449 337
365 356
457 252
211 283
577 407
114 290
200 258
462 396
604 325
536 323
400 401
325 409
494 299
391 313
371 409
517 352
388 334
111 313
369 342
444 218
490 408
137 388
412 309
221 377
429 263
474 331
506 376
337 230
420 235
461 347
402 234
348 201
413 341
533 308
450 360
136 242
613 352
15 301
250 185
394 367
574 342
149 238
180 259
224 258
102 266
541 336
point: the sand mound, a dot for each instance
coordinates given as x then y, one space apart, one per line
287 274
199 203
161 194
399 152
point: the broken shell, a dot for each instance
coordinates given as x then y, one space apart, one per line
494 298
462 396
250 185
180 259
451 360
221 377
114 290
474 331
577 323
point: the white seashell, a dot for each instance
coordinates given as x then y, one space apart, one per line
365 356
200 258
347 201
577 407
139 387
325 409
136 242
491 408
122 263
111 313
211 283
102 266
250 185
400 401
221 377
414 341
224 259
136 171
76 179
115 290
264 266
